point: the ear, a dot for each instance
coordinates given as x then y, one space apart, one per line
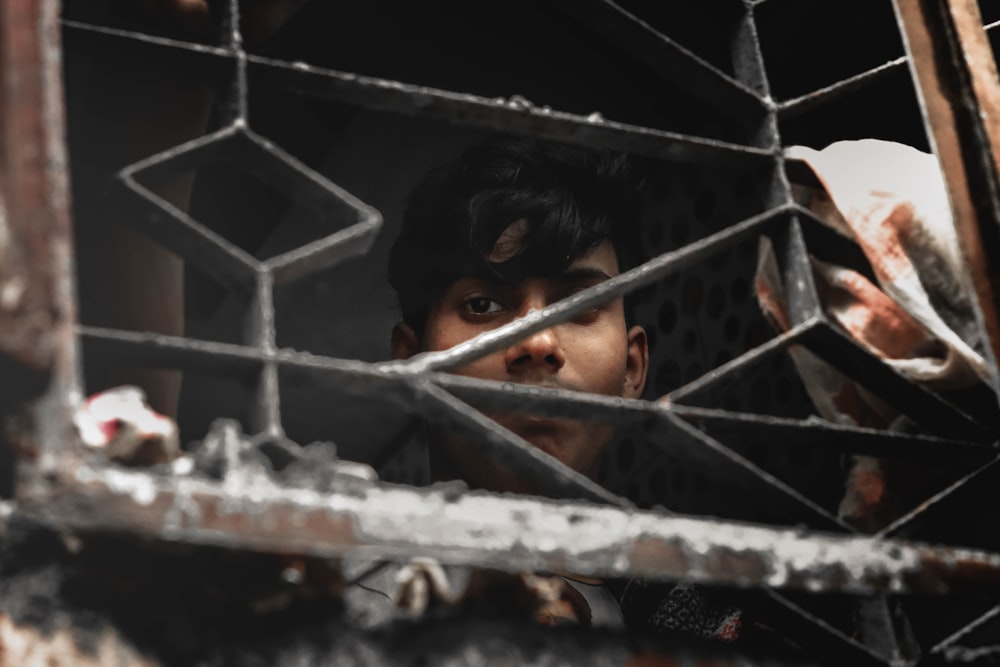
404 342
636 363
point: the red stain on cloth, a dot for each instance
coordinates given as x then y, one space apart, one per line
891 200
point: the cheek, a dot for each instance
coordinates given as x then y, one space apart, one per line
601 357
443 333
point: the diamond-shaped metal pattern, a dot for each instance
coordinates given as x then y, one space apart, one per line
732 418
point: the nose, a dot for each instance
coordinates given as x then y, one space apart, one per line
541 351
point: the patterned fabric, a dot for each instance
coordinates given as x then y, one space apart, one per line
687 609
681 608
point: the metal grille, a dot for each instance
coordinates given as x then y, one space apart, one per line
735 438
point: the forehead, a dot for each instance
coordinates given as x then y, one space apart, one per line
600 262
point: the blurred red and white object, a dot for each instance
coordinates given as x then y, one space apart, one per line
120 424
917 315
891 200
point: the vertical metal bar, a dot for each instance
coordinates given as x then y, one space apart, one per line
37 312
803 298
748 61
266 409
235 102
748 64
882 627
956 79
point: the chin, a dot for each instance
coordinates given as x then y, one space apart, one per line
559 440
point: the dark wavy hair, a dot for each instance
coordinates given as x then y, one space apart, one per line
573 199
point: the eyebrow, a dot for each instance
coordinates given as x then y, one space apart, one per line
572 276
582 275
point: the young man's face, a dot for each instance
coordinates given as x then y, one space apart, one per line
593 353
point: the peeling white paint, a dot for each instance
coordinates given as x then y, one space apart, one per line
13 289
522 533
140 488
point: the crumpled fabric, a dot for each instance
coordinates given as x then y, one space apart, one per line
891 200
119 423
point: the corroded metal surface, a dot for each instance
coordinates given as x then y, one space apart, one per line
36 311
509 533
956 78
817 98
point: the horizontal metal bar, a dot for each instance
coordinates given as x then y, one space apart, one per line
500 114
845 354
924 407
79 33
732 368
443 410
817 98
685 437
144 348
382 94
359 379
504 447
822 637
158 350
547 401
183 353
666 57
818 433
972 490
504 532
346 376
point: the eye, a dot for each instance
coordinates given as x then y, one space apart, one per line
481 305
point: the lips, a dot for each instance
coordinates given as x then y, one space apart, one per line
543 433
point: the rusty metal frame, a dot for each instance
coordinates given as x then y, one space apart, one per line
359 517
595 532
956 76
37 307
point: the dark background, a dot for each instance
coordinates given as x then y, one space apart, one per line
500 49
